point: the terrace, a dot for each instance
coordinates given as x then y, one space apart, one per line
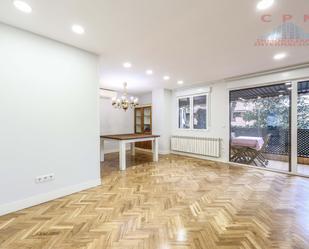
263 114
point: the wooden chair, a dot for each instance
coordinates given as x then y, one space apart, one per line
240 154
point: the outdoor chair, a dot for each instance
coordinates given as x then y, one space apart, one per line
247 155
260 157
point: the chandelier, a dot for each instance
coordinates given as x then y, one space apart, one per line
124 102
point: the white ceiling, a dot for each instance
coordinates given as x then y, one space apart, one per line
192 40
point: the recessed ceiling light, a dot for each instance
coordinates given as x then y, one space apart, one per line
127 65
279 56
22 6
78 29
264 4
149 72
166 77
180 82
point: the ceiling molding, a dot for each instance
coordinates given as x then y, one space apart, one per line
45 37
268 72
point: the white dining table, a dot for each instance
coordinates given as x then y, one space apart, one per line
124 139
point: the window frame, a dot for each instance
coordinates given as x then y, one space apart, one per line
191 96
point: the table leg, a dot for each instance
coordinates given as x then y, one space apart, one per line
133 149
102 149
122 155
155 152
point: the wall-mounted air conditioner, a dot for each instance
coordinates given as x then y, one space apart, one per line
107 94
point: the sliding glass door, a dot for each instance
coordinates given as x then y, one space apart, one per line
303 128
260 121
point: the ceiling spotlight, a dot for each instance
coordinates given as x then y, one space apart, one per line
288 83
149 72
166 77
127 65
279 56
78 29
264 4
180 82
22 6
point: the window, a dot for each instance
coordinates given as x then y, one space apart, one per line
192 112
184 113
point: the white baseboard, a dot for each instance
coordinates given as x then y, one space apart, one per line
164 152
144 150
161 152
38 199
219 159
108 151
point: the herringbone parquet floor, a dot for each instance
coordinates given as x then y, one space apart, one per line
177 203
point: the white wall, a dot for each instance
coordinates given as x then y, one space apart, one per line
114 121
145 99
161 118
49 119
218 111
219 104
275 77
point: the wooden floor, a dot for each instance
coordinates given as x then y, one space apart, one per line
177 203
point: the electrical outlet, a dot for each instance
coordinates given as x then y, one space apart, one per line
45 178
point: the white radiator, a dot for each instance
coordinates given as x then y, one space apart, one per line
196 145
